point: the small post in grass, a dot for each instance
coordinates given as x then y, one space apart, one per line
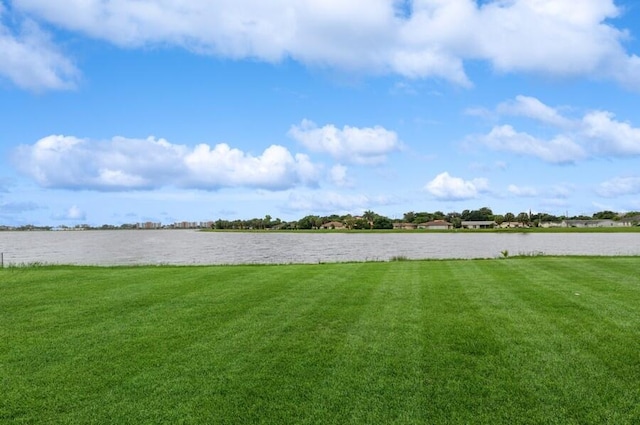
1 260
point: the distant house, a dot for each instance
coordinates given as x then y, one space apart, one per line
550 224
630 221
590 223
333 225
436 225
477 224
405 226
513 225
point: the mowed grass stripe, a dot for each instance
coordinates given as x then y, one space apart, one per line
562 344
603 330
462 349
290 353
486 341
184 338
376 371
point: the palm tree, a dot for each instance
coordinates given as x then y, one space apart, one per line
523 218
509 217
369 216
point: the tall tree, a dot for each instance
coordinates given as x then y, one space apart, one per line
523 217
361 223
485 213
409 217
605 215
307 222
382 222
349 221
422 217
369 216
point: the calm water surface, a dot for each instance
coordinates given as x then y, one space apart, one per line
192 247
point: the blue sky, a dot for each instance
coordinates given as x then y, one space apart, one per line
163 110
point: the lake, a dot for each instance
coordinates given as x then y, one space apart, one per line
125 247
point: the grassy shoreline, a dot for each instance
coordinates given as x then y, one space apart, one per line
521 340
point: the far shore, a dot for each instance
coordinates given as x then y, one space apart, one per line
622 229
629 229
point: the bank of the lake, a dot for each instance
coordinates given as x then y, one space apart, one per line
512 341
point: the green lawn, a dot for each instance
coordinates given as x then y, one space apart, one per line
538 340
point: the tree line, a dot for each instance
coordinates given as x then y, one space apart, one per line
372 220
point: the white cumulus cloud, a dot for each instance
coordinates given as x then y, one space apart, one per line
429 38
560 149
31 61
619 186
448 188
562 37
338 174
612 137
75 213
137 164
368 145
533 108
595 134
222 166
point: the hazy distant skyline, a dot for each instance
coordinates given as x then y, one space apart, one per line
164 110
